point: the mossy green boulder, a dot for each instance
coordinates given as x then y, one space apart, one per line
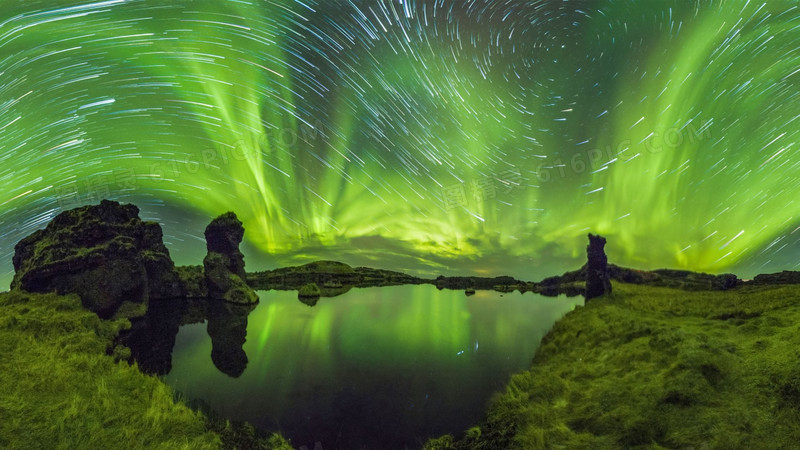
104 253
309 294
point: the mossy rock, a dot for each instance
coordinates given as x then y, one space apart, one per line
104 253
240 293
225 277
193 279
225 285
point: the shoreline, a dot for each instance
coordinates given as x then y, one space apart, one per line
735 307
655 367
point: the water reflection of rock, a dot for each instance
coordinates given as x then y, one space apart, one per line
310 301
326 290
329 290
152 337
227 327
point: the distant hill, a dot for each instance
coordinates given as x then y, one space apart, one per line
334 274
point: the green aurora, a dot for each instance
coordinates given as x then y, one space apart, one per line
427 136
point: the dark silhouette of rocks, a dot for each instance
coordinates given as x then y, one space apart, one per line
598 282
104 253
117 263
151 338
569 282
224 263
227 327
223 235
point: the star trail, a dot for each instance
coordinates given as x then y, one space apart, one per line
483 137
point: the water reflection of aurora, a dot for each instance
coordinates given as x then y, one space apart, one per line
335 130
412 358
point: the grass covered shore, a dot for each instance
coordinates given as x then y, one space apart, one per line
646 367
650 367
61 390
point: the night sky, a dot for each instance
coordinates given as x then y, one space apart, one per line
473 137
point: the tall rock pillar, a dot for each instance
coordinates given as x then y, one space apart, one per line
597 281
224 263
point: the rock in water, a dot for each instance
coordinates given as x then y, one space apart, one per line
597 279
224 263
104 253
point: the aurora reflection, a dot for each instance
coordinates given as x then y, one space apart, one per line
375 367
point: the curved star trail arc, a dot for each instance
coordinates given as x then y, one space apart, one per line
430 136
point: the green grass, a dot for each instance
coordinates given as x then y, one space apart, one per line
646 367
60 390
657 368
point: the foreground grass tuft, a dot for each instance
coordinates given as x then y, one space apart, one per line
657 368
60 390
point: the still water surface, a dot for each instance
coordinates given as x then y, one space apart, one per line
381 367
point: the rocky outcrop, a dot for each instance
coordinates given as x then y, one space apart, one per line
678 279
598 282
224 263
104 253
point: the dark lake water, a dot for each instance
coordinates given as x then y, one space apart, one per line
381 367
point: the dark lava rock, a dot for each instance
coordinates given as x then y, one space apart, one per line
597 280
104 253
223 235
224 263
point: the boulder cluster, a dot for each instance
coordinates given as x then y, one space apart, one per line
117 262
